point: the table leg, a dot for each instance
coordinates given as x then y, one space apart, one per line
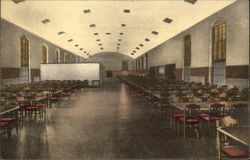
218 145
170 115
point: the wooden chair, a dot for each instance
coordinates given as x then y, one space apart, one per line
55 99
240 112
190 119
164 102
216 112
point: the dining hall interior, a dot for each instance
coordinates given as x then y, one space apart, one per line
134 79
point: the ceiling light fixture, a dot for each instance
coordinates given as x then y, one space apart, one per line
167 20
60 33
18 1
87 11
154 32
126 11
45 21
190 1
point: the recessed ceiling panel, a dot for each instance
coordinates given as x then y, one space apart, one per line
133 21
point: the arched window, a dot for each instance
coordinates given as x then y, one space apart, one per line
125 65
187 57
65 58
219 41
187 50
136 68
68 58
142 63
24 51
44 54
72 59
219 53
57 56
62 59
25 58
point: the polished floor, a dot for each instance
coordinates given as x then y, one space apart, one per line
104 123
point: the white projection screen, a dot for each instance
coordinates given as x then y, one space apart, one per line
78 71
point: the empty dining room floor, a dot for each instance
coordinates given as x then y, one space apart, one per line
108 122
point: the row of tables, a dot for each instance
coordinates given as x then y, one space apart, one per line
238 133
11 106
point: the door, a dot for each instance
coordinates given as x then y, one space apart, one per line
109 73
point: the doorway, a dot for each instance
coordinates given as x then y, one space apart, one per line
109 74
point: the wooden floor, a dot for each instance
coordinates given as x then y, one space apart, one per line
104 123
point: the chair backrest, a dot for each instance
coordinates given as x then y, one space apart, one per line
240 107
192 110
217 108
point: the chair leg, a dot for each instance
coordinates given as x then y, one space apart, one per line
197 132
178 127
174 124
184 130
201 126
9 132
16 127
209 127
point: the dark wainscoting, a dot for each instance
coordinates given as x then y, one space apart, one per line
200 71
9 72
170 70
34 73
178 73
240 72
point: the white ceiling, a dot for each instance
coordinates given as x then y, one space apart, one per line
144 17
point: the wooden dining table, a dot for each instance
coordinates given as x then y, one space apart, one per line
6 110
240 134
